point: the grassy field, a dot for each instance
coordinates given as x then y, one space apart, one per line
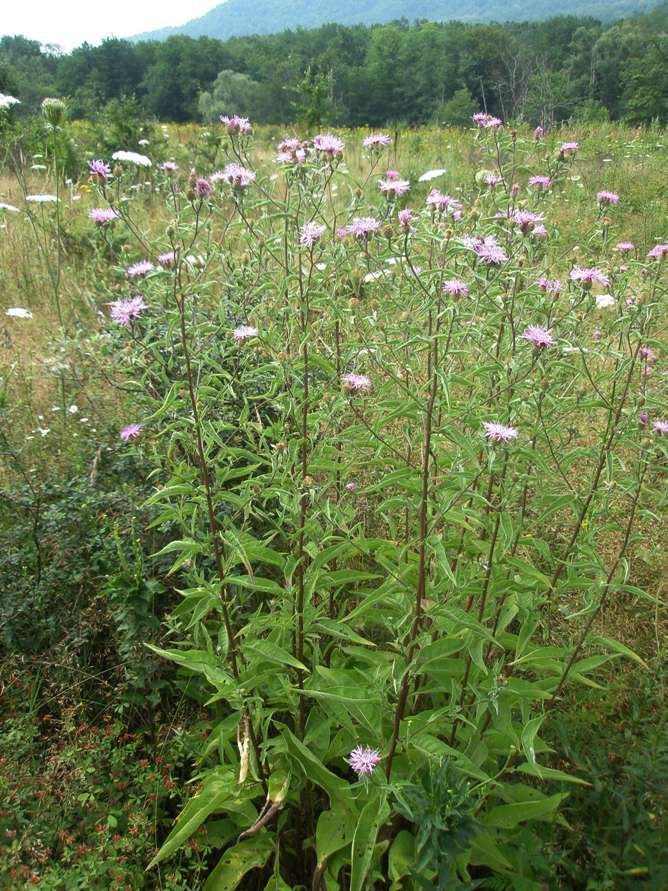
311 528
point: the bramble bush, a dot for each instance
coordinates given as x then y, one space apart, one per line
400 451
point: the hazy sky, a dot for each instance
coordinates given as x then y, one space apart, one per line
70 22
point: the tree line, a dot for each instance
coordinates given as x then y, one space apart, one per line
565 68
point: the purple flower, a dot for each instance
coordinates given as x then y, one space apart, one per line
123 311
542 182
351 486
244 332
102 215
169 167
362 227
648 354
443 203
606 198
235 175
376 141
539 231
488 121
499 432
660 427
568 148
456 287
490 253
625 247
394 188
236 124
406 217
99 171
586 277
538 133
131 432
539 337
203 187
364 760
292 151
643 418
525 219
141 268
492 179
328 145
311 232
658 252
550 286
356 382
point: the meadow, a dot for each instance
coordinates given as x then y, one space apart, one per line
333 511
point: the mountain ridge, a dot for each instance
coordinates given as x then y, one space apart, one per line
239 18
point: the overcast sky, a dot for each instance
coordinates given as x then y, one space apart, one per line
69 22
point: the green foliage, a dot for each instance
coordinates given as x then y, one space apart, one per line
232 93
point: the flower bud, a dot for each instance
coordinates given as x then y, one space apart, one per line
54 111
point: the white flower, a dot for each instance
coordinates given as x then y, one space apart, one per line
73 409
144 142
7 101
372 276
604 301
9 207
41 199
132 158
38 167
431 174
17 312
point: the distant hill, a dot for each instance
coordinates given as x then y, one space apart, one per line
235 18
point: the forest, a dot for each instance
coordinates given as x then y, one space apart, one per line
563 69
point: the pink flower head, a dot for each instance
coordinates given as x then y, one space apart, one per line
490 253
244 332
292 151
406 217
568 148
643 418
539 337
99 171
169 167
236 124
443 203
658 252
102 215
550 286
376 141
492 179
538 133
236 175
456 287
328 145
364 760
123 311
362 227
131 432
499 432
648 354
488 121
352 486
394 188
526 220
587 277
540 181
356 382
141 268
660 427
167 259
607 198
203 187
539 231
311 232
392 174
625 247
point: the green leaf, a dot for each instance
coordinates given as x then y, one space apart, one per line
270 651
374 813
529 732
251 853
507 816
401 857
620 648
549 773
486 852
333 832
337 788
217 788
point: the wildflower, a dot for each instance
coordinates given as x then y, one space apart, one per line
607 198
643 418
132 158
244 332
311 233
143 267
53 111
41 199
525 219
73 409
456 287
540 181
236 176
658 252
604 301
499 432
362 227
394 188
356 382
9 207
351 486
123 311
167 259
292 151
131 432
586 277
98 170
203 187
488 121
328 145
376 141
443 203
492 179
660 427
568 148
648 354
144 142
538 336
18 312
364 760
625 247
597 334
236 124
539 231
169 167
550 286
8 101
431 174
103 215
538 133
490 253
